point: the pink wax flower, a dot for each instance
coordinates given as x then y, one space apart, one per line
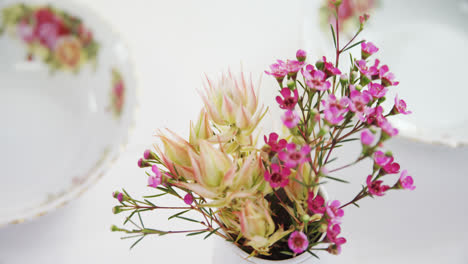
316 79
400 106
298 242
290 119
329 69
188 199
273 142
376 187
143 163
332 101
375 116
367 49
358 103
374 70
278 70
388 128
333 115
377 90
120 197
288 101
279 177
406 182
387 77
333 231
391 167
316 205
293 66
381 159
293 157
363 68
155 181
367 137
334 212
301 55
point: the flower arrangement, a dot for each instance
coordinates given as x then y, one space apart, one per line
60 39
269 200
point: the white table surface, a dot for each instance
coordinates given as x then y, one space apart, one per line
173 43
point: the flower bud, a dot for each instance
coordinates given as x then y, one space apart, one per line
305 218
354 76
117 209
143 163
323 228
149 155
301 55
291 85
114 228
323 131
344 79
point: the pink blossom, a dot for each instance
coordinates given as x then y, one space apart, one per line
333 231
367 137
363 68
301 55
381 159
279 177
334 212
341 104
316 79
391 167
406 182
387 77
374 70
400 106
388 128
188 199
288 101
147 154
329 69
143 163
290 119
273 142
375 116
293 66
316 205
376 187
377 90
333 115
367 49
298 242
293 157
118 196
278 70
154 181
358 103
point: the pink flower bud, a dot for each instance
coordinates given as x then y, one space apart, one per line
301 55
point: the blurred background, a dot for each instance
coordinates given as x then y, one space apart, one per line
172 44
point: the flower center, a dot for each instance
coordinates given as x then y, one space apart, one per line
276 177
295 156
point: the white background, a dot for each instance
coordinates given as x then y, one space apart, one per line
173 43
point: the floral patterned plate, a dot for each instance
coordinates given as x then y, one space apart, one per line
67 101
425 42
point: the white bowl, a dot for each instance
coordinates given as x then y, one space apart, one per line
67 102
424 43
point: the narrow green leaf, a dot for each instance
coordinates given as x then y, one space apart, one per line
129 217
176 215
287 253
349 140
301 183
212 232
196 233
331 160
138 241
154 196
188 219
150 203
313 254
336 179
333 34
354 45
355 204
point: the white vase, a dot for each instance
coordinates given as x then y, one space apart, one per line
227 253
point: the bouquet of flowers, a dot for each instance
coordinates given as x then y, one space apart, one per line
269 200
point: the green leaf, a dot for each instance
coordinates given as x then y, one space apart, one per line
188 219
312 253
129 217
212 232
141 221
354 45
287 253
336 179
154 196
349 140
331 160
138 241
176 215
355 204
196 233
150 203
333 34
